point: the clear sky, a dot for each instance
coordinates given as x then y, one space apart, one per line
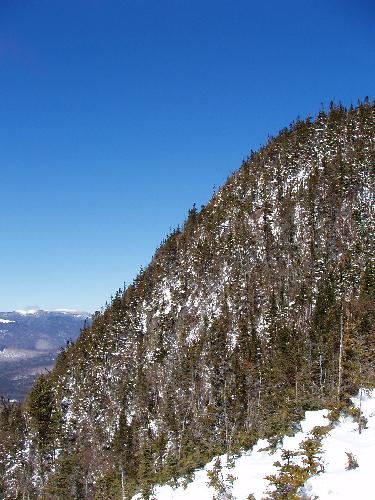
117 116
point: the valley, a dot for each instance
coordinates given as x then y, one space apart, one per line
29 343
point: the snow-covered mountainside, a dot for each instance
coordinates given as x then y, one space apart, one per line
29 342
260 308
336 481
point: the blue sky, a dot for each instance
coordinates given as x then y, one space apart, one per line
117 116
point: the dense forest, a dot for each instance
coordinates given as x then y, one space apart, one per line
260 307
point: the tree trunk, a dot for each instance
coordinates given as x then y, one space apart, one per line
340 350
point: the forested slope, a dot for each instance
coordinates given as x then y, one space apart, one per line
260 307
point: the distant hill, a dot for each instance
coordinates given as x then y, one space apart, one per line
29 342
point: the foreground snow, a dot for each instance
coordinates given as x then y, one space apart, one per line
251 468
338 483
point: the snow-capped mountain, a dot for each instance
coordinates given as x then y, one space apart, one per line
39 330
29 342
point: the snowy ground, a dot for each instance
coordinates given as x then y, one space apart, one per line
338 483
335 483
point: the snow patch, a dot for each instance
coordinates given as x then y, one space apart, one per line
25 312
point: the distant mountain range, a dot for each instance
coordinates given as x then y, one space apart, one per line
29 342
258 309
